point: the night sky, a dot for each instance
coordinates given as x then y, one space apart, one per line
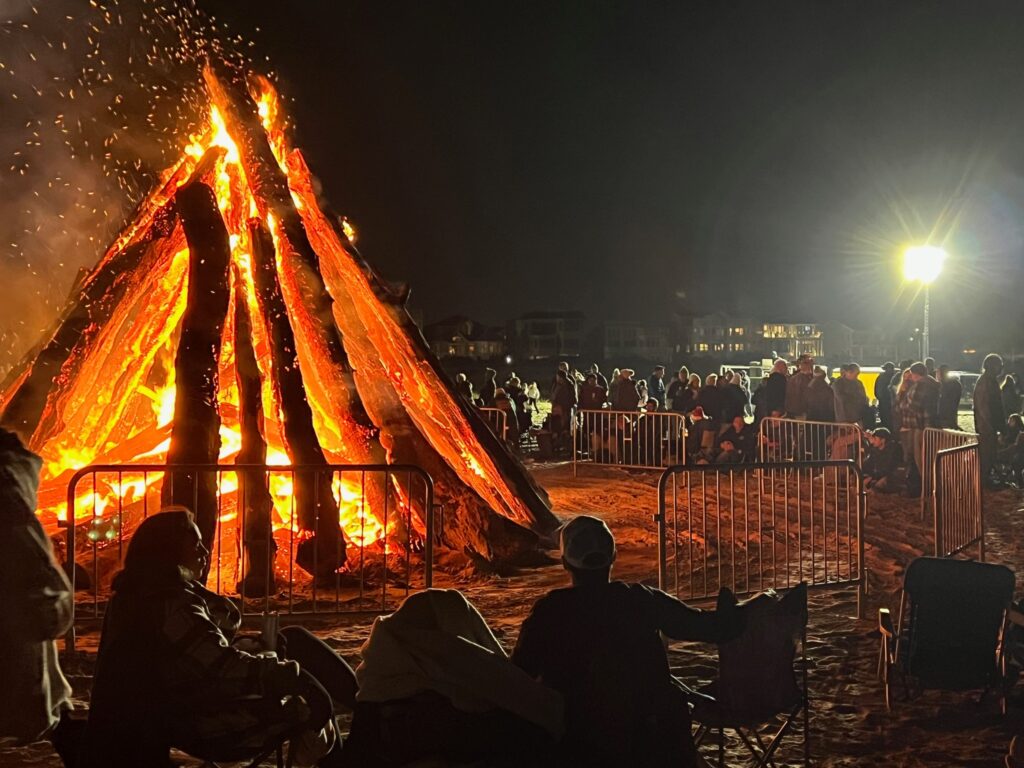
766 158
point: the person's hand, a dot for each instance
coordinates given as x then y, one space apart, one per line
282 676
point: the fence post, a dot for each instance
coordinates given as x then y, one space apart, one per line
69 554
936 501
660 520
981 508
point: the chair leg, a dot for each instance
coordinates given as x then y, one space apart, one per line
721 748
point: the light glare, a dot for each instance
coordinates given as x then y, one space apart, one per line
923 263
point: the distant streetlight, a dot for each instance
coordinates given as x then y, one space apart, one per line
923 264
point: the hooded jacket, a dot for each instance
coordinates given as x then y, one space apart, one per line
851 400
35 604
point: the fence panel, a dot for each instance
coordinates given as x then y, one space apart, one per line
634 439
792 440
759 526
386 513
497 420
934 440
959 517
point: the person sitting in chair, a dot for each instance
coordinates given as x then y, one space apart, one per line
167 674
599 643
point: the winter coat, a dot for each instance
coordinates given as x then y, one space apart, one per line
926 396
820 401
712 400
592 396
35 606
950 392
883 394
796 394
1011 400
627 396
851 400
734 402
487 393
775 393
656 389
988 406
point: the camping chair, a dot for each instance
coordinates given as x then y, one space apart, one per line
758 681
949 630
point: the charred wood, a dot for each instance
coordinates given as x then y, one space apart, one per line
195 434
316 509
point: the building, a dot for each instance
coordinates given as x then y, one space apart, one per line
623 342
539 335
743 339
725 336
458 336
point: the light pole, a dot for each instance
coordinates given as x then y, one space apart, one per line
923 263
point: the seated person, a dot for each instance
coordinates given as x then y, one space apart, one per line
435 684
167 675
743 439
882 461
727 453
1010 455
599 642
701 433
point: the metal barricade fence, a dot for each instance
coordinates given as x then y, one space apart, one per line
934 440
758 526
959 517
781 439
386 513
633 439
497 420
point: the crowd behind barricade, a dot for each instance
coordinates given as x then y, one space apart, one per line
587 684
723 414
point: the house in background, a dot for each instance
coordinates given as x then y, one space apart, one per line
626 342
540 335
461 337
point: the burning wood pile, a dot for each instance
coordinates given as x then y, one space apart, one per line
233 322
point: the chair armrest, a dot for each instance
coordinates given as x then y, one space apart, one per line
885 625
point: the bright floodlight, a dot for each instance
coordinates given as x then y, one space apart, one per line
923 263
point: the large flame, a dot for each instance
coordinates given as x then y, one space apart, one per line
119 408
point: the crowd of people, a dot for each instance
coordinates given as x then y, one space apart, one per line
434 683
722 413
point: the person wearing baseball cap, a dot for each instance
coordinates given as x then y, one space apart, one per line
599 643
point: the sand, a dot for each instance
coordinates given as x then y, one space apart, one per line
849 723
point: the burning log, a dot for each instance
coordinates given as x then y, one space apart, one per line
302 282
95 304
315 507
195 435
254 499
31 409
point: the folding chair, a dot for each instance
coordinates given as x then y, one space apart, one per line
758 683
949 630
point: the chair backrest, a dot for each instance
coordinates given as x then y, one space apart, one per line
953 622
756 674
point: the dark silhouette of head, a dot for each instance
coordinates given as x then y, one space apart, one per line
164 542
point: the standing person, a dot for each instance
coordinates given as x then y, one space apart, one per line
929 365
533 396
600 376
35 605
627 393
820 398
988 414
599 643
734 399
563 402
642 394
592 394
775 391
1010 395
613 386
950 391
711 402
464 387
883 394
488 389
678 394
760 401
851 400
564 368
914 403
796 388
656 386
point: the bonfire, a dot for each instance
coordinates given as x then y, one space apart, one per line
234 323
